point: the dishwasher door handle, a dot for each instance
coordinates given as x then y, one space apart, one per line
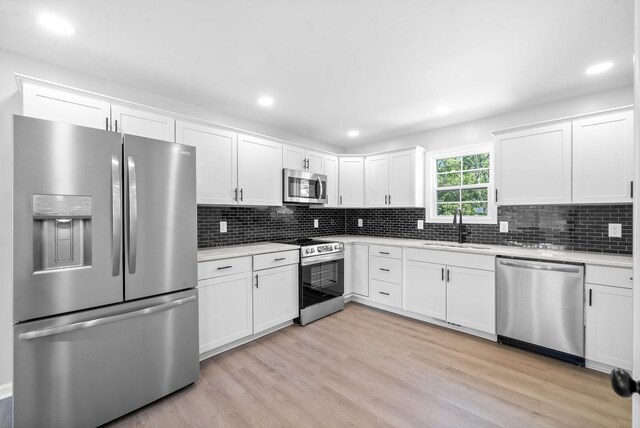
540 267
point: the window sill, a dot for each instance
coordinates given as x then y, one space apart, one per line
465 220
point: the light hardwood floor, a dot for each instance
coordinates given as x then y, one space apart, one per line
363 367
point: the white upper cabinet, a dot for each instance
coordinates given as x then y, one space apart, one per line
534 165
48 103
259 171
376 179
142 123
351 172
603 158
395 179
216 161
302 160
406 178
331 171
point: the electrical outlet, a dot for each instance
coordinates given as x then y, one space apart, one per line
223 227
315 223
359 222
420 224
504 226
615 230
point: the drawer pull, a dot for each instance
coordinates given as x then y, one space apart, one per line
383 252
383 269
279 259
224 267
382 292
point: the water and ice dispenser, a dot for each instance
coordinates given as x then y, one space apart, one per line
61 232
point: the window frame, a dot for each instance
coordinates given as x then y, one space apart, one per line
431 184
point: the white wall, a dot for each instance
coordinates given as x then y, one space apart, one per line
478 131
10 103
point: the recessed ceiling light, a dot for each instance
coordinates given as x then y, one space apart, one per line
443 110
599 68
56 24
265 101
353 133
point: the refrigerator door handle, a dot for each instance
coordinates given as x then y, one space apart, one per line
133 214
106 320
116 215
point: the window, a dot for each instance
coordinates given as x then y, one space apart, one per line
462 180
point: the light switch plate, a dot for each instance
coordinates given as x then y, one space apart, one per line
420 224
615 230
504 226
315 223
223 227
359 222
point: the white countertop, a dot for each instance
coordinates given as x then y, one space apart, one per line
227 252
498 250
218 253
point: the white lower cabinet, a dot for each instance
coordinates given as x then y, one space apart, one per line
425 291
356 269
235 302
225 310
437 286
275 297
609 316
471 298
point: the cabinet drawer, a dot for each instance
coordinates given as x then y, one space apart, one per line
282 258
384 251
385 269
385 293
215 268
606 275
452 258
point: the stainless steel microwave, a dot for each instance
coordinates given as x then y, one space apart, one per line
303 187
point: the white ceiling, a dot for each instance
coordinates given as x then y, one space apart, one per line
382 67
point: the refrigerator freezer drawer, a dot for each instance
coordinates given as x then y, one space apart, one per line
91 367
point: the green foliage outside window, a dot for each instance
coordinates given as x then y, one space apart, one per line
463 182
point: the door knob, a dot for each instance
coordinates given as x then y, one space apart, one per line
623 384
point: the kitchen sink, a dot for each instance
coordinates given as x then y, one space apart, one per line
455 245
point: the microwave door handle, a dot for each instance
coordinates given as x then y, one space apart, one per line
133 214
116 215
319 183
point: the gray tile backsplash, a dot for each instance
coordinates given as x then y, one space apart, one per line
576 227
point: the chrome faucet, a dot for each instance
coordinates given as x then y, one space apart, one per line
461 234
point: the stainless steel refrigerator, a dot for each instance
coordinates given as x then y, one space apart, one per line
104 298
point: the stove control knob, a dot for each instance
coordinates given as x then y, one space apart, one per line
336 247
308 251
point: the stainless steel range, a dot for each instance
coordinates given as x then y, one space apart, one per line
321 278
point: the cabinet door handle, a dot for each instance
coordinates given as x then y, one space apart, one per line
385 199
257 281
106 123
340 199
632 189
496 195
442 274
383 252
382 292
448 276
389 199
116 125
235 194
241 195
279 259
384 270
224 267
591 297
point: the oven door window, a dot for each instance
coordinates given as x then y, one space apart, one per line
306 188
322 281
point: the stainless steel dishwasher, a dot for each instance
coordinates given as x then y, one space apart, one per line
540 307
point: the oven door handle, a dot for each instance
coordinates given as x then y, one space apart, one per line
306 261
